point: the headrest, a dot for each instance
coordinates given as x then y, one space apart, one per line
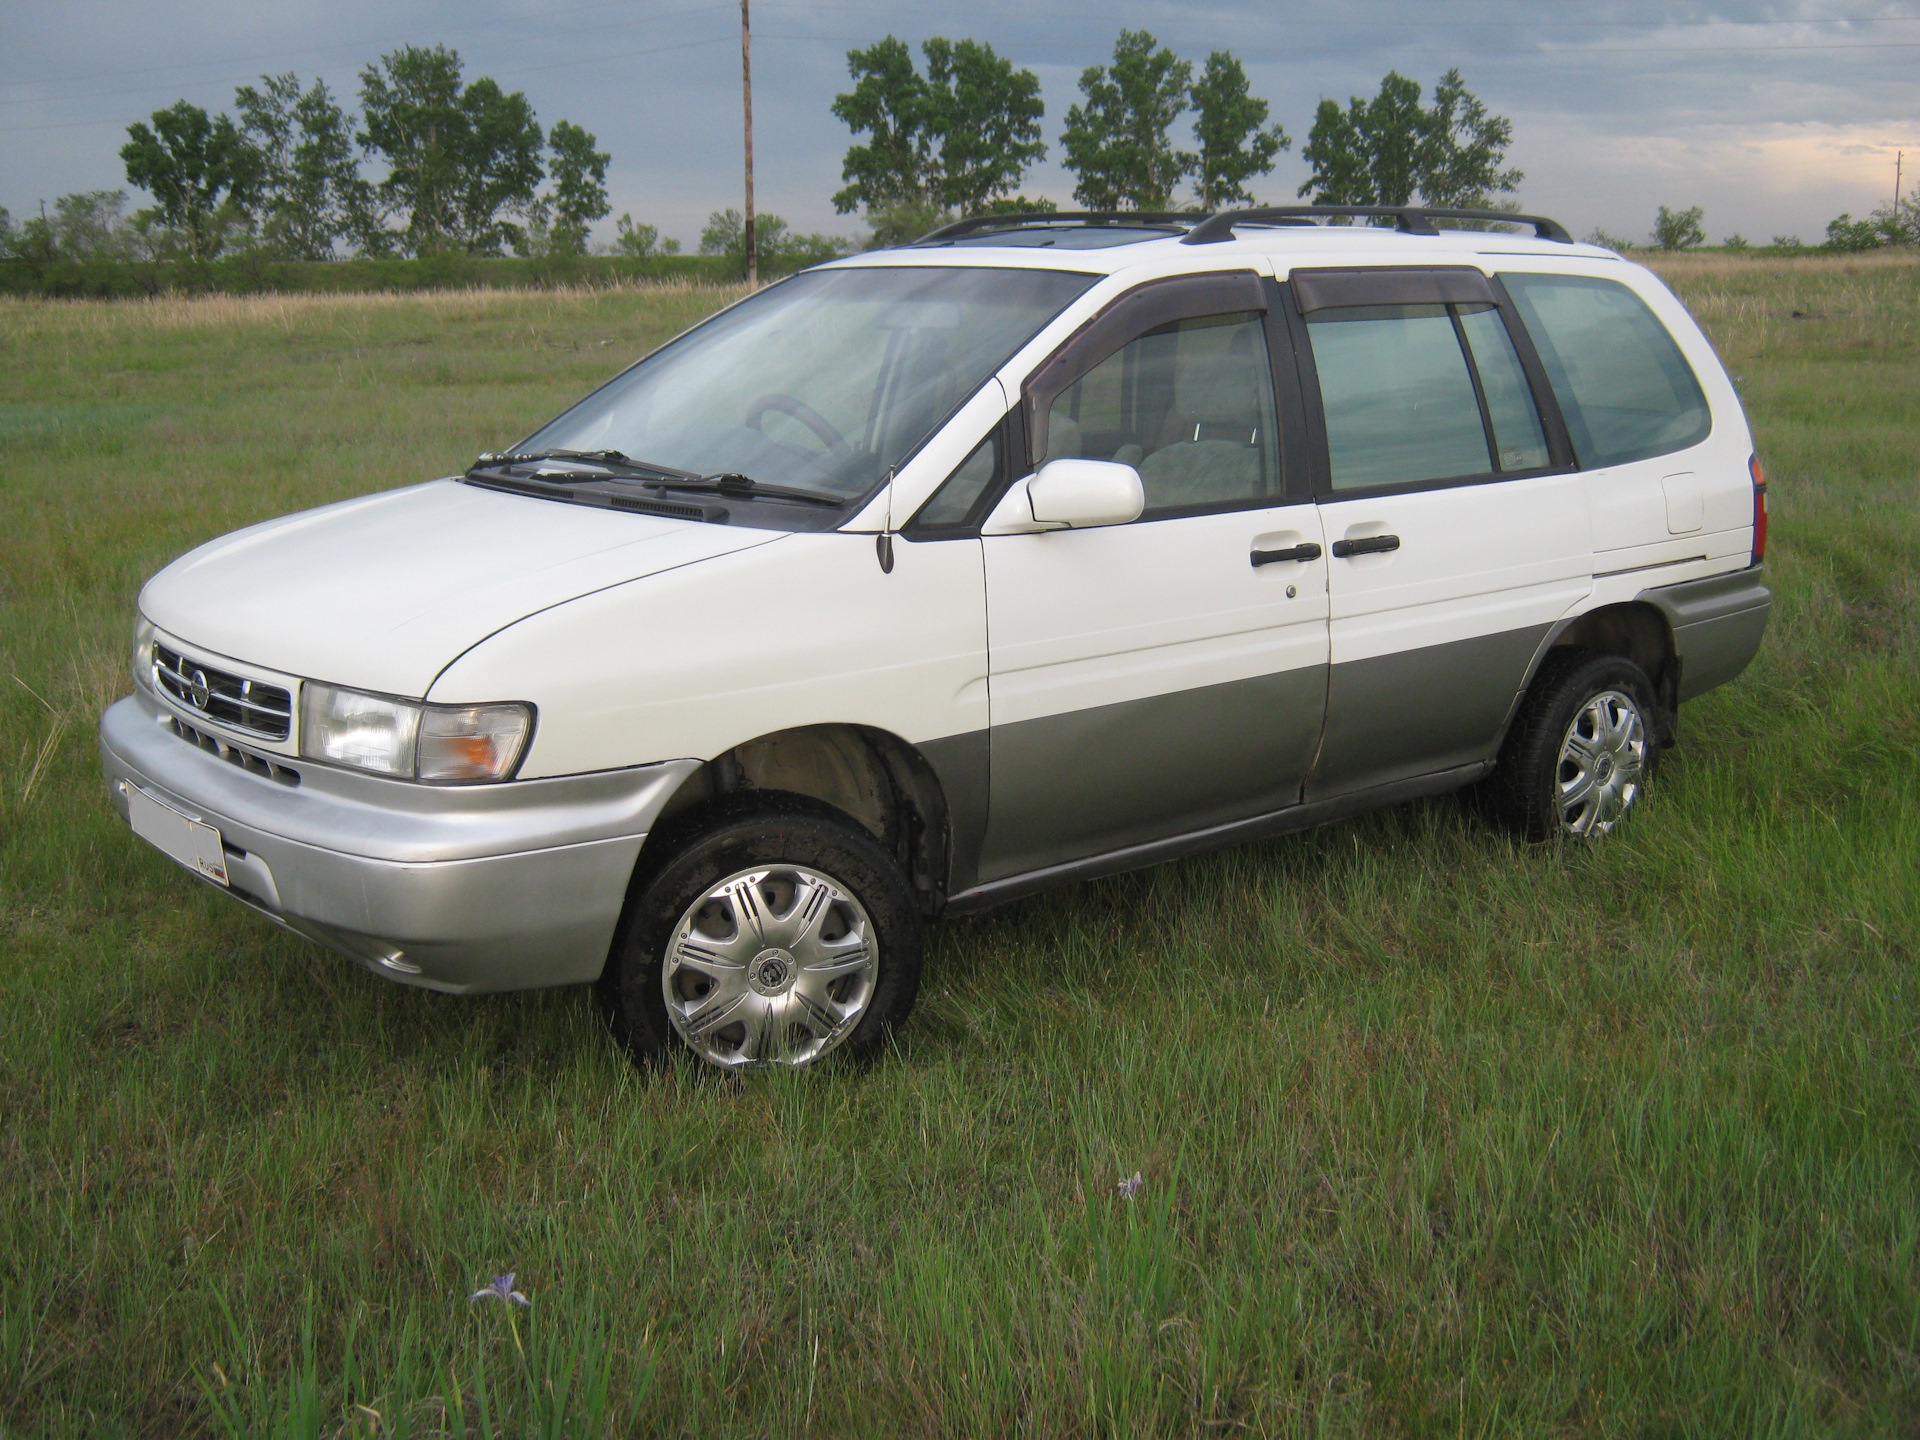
1224 385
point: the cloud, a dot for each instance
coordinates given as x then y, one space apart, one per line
1774 115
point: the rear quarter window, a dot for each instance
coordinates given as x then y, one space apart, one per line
1624 387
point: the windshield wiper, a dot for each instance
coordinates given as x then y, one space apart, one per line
612 464
612 461
732 482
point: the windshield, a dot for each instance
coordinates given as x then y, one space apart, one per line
825 381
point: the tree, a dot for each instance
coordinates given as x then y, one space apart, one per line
1897 224
956 138
1460 166
1679 229
1116 142
982 119
640 241
1235 141
1368 154
579 194
888 104
92 225
725 235
1387 150
311 191
200 171
461 160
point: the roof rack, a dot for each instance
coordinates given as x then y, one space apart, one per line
1205 229
975 224
1409 219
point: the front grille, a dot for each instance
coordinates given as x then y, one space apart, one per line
234 755
248 705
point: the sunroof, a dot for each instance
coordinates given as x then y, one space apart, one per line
1069 237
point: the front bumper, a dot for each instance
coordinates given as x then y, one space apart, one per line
458 888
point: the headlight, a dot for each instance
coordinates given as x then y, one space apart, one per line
142 652
444 744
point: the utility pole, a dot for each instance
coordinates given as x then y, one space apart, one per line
748 238
1899 158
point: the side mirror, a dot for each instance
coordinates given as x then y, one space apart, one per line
1083 494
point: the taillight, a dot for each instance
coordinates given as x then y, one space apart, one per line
1759 510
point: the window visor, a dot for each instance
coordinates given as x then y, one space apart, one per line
1436 285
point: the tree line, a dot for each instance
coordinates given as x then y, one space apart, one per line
464 164
465 168
957 136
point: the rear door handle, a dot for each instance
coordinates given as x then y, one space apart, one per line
1366 545
1308 551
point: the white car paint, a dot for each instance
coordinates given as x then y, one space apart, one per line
380 593
806 630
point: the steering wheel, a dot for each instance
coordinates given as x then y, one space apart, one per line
801 411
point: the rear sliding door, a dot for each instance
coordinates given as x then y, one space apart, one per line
1456 527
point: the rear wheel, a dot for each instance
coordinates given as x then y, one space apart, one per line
770 932
1581 750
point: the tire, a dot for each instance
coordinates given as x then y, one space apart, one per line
1581 751
767 929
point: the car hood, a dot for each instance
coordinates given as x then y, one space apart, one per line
383 592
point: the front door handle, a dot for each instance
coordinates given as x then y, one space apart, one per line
1366 545
1308 551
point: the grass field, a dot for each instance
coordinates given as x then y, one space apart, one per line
1438 1135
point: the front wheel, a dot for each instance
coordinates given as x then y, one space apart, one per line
774 933
1581 750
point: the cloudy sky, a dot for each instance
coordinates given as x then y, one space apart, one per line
1772 116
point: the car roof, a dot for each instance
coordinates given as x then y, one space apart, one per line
1109 244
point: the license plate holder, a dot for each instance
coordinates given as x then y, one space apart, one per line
192 842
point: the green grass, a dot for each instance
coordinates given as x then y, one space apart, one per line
1439 1135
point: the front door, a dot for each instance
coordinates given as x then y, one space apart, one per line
1456 527
1156 678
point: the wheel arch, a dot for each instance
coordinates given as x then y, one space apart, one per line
870 776
1633 630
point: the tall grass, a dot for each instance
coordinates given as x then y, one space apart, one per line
1437 1134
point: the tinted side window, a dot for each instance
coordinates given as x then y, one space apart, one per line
1623 385
1189 405
1518 441
1398 396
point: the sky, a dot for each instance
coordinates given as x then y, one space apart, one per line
1773 117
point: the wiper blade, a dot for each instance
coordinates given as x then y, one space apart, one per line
612 464
732 482
608 460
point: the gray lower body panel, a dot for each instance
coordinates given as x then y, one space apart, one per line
497 887
1417 712
1106 778
962 764
1213 837
1717 625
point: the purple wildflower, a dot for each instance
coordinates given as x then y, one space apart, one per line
1128 1188
501 1289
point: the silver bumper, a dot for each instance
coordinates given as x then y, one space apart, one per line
465 889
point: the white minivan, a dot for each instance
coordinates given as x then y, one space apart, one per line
1044 548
